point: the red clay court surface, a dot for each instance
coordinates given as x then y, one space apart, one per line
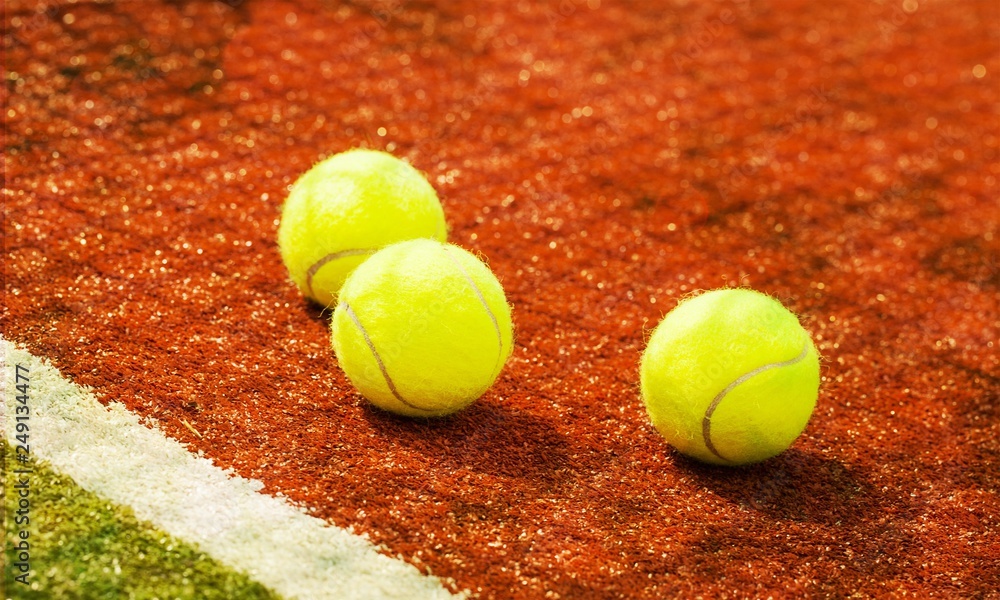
608 159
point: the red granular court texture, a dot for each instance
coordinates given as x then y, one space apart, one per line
608 159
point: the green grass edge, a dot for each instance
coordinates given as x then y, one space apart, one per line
82 546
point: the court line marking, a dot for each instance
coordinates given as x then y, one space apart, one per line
108 451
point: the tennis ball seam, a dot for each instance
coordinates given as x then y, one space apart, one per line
319 264
482 300
378 358
706 423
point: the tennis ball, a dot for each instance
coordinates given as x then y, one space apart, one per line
422 328
730 377
344 209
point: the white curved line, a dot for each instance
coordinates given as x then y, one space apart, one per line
706 423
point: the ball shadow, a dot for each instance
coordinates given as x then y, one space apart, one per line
795 485
316 312
488 437
803 487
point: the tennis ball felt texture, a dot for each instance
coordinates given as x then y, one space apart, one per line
422 328
344 209
730 377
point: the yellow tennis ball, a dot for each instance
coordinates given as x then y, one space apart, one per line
730 377
422 328
347 207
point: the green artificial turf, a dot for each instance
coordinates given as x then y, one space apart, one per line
85 547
